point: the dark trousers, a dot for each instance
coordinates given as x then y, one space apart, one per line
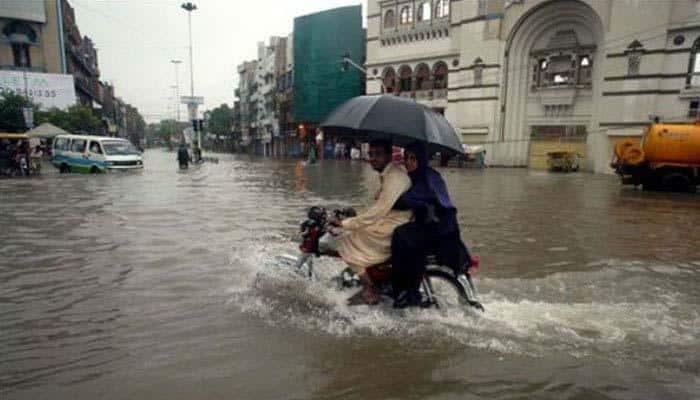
409 246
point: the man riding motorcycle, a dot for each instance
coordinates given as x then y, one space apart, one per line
366 238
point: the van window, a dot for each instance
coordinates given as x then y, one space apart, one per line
60 143
78 145
95 147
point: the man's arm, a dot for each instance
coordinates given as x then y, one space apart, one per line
395 184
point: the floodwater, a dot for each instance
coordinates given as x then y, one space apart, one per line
165 285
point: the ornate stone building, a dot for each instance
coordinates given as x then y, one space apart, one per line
527 77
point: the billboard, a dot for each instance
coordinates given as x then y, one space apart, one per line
24 10
46 90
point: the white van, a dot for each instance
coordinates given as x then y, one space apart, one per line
93 154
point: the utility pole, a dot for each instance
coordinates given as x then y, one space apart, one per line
177 63
189 7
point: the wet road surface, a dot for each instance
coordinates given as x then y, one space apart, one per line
165 285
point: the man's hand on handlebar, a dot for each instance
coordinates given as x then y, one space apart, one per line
333 221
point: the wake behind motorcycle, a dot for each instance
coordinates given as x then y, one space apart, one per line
441 286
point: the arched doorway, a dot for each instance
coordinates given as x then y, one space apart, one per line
550 69
389 81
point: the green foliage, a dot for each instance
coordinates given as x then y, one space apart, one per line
220 120
11 116
163 130
77 119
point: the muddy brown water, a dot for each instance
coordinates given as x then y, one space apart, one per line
166 285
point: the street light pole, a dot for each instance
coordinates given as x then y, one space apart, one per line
177 87
347 61
189 7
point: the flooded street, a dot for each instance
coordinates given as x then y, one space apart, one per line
164 285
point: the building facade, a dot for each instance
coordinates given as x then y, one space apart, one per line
248 107
29 36
81 60
287 141
270 57
524 78
320 42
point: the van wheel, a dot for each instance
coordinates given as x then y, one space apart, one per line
94 170
678 182
64 169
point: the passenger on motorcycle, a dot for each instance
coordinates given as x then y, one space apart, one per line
433 230
366 238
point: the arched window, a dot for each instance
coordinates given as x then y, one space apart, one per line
389 80
422 77
406 15
405 78
389 19
440 75
424 12
442 8
694 66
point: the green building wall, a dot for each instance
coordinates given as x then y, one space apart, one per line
320 41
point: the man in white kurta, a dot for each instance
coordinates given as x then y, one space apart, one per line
366 238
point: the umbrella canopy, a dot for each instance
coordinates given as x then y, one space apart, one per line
394 118
46 130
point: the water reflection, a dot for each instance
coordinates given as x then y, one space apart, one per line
155 279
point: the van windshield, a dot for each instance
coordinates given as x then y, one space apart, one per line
119 148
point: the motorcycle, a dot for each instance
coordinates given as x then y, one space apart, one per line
441 286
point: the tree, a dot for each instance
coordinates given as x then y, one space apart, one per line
162 131
220 120
77 119
11 114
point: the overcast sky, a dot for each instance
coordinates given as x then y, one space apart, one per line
136 39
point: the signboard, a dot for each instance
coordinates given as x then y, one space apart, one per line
192 100
34 11
46 90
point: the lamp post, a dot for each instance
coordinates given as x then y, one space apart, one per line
347 63
177 63
189 7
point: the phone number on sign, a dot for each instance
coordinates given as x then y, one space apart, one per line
30 92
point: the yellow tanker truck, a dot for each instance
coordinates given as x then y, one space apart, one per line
668 158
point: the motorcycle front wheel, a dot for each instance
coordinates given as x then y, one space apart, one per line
443 289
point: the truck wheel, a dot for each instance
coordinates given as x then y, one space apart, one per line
678 182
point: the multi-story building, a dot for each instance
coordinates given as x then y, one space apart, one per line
248 105
320 85
287 144
529 77
81 60
270 57
29 36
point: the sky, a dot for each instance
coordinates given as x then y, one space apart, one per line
137 39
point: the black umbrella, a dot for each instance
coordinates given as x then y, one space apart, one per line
394 118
